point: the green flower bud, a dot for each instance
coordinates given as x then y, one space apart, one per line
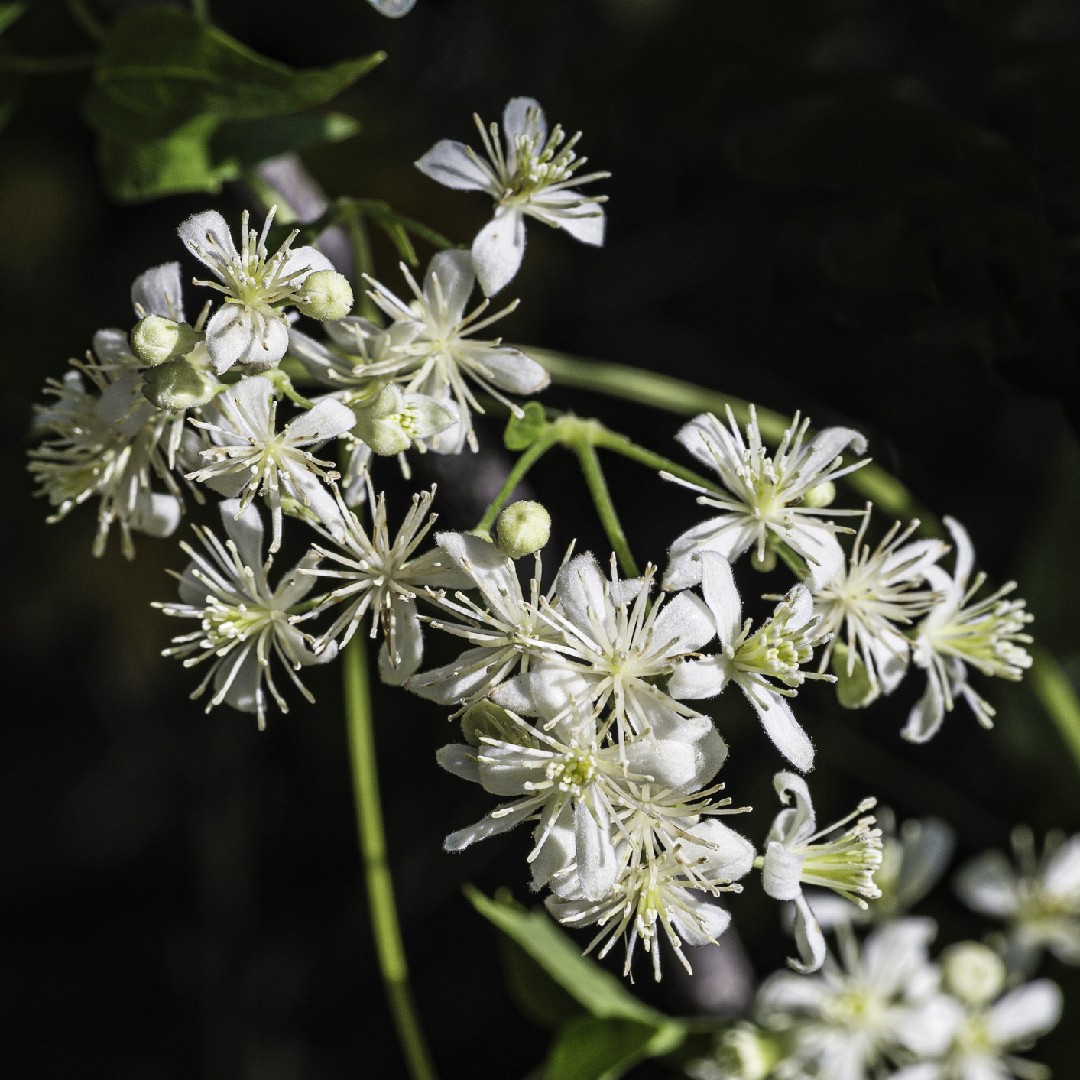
325 295
765 561
973 973
177 385
820 495
854 691
155 339
391 420
523 528
486 720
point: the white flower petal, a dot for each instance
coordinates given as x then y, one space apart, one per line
1025 1013
159 291
782 727
498 249
450 163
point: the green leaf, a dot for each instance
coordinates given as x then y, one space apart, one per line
205 153
522 431
160 68
595 990
604 1048
9 13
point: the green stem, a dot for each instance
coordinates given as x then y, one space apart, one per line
524 463
201 10
688 399
363 263
605 508
1055 692
611 440
369 824
92 26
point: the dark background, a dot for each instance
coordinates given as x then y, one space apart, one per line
867 211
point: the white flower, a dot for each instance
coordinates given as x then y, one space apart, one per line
249 327
882 1005
1039 899
665 892
764 495
797 853
986 1033
869 599
250 456
987 635
775 651
392 9
533 176
432 352
244 623
615 645
104 440
383 576
507 632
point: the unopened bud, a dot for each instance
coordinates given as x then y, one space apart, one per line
177 385
973 972
325 295
820 495
523 528
155 339
765 561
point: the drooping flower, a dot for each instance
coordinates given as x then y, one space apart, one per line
987 635
764 497
1038 897
868 601
247 455
798 853
531 174
250 326
383 576
245 624
766 664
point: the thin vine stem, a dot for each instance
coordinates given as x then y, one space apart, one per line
605 508
524 463
380 890
1055 693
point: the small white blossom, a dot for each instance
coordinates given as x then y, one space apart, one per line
1039 898
383 576
615 645
755 660
432 351
764 497
250 326
987 635
851 1020
249 456
245 624
798 853
868 601
986 1033
532 177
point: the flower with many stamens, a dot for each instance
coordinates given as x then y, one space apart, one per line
250 326
615 645
987 635
383 576
767 498
247 455
534 176
836 858
870 598
434 352
756 660
245 624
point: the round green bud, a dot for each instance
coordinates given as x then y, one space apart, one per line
177 385
763 561
523 528
325 295
973 972
155 339
820 495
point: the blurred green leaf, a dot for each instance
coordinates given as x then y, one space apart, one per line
205 153
9 13
595 990
160 68
604 1048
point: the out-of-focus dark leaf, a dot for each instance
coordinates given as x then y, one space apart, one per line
604 1048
